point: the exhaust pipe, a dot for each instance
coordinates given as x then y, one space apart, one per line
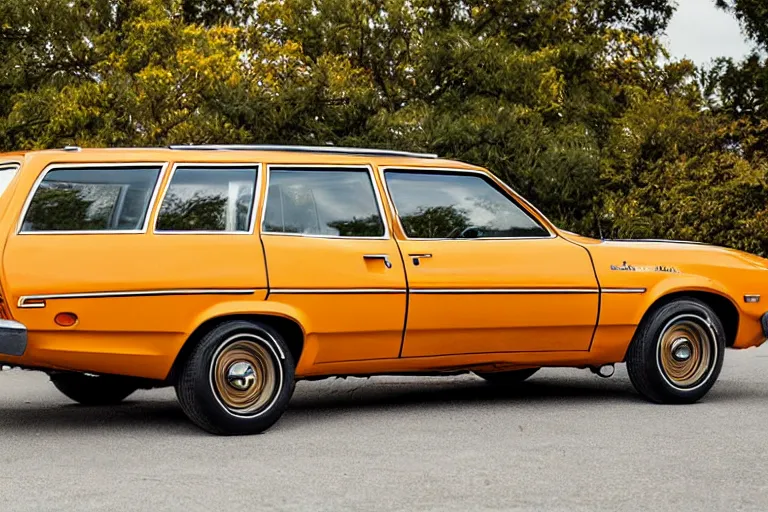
605 371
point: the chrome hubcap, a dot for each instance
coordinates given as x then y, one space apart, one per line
241 376
244 375
687 351
682 350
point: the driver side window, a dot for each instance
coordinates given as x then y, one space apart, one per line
440 205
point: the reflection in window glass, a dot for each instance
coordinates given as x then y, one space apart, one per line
322 202
457 206
208 199
92 199
7 173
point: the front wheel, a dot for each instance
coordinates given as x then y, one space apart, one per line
677 352
237 380
94 389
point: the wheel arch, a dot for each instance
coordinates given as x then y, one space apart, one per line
290 324
723 306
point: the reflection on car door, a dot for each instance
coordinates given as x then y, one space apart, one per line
484 276
330 255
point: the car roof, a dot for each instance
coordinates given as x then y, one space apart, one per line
287 155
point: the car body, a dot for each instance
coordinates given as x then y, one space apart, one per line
131 263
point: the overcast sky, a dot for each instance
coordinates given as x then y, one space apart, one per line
701 32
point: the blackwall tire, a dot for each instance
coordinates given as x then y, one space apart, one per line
238 380
94 390
677 352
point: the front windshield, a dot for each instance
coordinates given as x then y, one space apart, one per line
7 173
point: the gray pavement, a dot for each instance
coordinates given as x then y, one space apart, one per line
565 441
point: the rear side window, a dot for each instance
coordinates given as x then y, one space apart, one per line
209 199
322 202
446 205
7 173
92 199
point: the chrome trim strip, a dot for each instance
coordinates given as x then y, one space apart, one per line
334 291
506 291
22 303
462 291
341 167
623 290
651 240
254 208
506 188
304 149
95 166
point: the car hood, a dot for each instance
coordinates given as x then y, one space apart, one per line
667 254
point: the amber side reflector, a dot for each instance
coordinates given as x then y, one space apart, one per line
66 319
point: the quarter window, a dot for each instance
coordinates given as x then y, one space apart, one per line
325 202
453 205
7 173
92 199
209 199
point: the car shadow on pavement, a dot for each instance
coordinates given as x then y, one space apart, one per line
441 391
327 398
165 416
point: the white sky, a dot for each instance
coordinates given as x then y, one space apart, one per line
701 32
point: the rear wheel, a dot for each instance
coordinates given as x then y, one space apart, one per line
677 353
94 389
237 380
509 378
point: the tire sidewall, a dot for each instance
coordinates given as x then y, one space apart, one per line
204 390
658 323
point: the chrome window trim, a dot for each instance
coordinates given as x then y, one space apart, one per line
511 194
376 193
23 301
163 167
254 209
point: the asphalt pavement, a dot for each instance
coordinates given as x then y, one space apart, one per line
564 441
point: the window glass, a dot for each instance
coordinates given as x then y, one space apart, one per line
7 173
446 205
92 199
208 199
331 202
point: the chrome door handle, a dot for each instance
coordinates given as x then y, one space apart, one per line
384 257
418 257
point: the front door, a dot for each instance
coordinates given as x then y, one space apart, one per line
330 256
484 275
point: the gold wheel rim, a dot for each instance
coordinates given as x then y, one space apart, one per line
244 376
685 353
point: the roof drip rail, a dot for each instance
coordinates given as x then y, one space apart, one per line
304 149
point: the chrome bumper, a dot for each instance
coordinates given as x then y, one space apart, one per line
13 338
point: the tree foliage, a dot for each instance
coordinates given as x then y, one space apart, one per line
571 102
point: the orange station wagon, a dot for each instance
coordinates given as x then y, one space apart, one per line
231 272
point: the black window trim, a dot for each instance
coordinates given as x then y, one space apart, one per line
336 167
211 165
506 190
93 166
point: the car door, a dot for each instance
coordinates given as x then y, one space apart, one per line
330 255
484 275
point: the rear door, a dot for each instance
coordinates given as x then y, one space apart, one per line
484 275
330 254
